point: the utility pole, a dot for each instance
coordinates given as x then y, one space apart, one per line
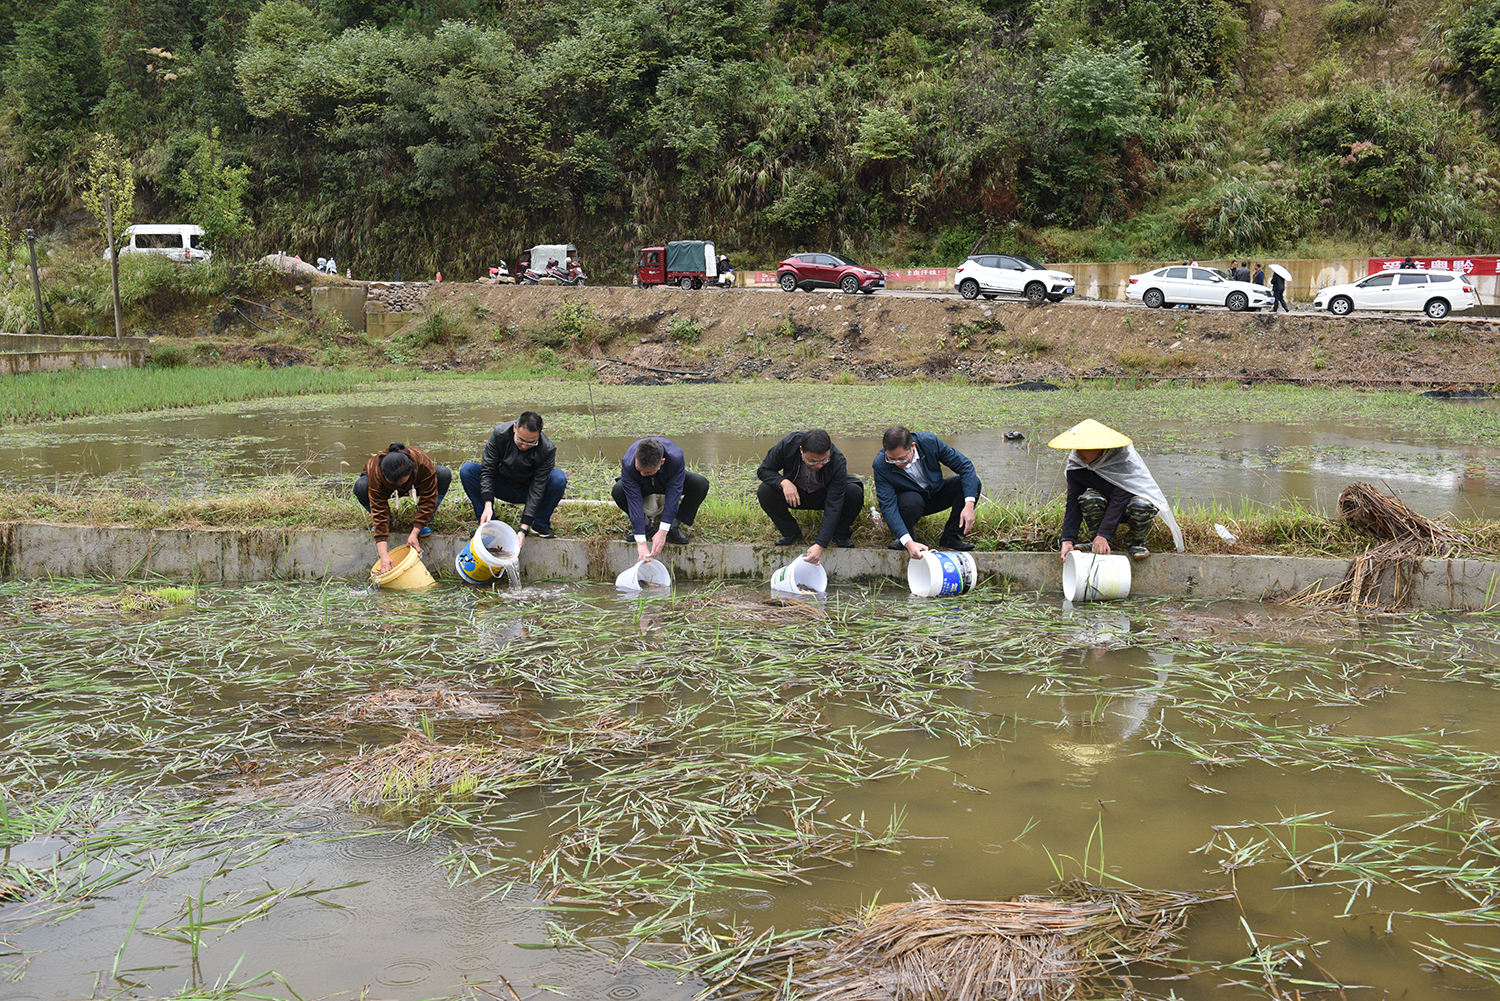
36 282
114 252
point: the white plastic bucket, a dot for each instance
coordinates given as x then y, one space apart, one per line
1087 576
937 574
495 544
800 577
644 575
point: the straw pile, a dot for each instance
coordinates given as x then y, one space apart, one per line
1385 575
979 950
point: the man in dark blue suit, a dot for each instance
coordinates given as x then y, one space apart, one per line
656 467
909 485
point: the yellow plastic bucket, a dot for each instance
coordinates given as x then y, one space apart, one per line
407 572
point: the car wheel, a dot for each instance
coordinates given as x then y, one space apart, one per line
1036 293
1341 305
1237 302
685 282
1154 299
697 283
1437 309
787 281
968 288
849 284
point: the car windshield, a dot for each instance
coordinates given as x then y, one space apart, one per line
1222 274
1033 265
844 260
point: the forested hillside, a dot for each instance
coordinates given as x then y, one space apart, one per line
397 134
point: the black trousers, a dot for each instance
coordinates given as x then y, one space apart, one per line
773 503
362 488
915 505
694 489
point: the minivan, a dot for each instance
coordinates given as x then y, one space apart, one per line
175 241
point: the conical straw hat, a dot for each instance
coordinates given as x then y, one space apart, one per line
1089 434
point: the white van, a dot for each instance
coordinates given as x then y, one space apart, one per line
174 241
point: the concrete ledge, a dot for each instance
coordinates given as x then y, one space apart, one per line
36 550
27 362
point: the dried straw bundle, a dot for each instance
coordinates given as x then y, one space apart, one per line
979 950
1384 575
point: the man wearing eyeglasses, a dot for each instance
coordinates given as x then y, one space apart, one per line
804 471
519 467
909 486
655 469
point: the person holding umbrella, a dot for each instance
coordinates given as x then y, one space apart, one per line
1279 277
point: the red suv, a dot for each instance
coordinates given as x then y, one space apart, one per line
810 271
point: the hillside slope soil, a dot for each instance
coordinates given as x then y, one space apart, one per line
708 334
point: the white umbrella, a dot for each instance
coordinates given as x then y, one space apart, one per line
1277 269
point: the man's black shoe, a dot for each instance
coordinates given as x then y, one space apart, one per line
545 532
955 542
789 540
895 544
844 541
677 536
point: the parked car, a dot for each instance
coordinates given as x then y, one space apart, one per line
990 275
687 263
810 271
1436 293
179 242
1196 285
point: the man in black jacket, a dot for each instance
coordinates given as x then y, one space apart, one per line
804 471
519 467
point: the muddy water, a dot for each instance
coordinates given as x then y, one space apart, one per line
193 452
1129 741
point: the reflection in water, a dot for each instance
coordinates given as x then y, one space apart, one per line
1094 732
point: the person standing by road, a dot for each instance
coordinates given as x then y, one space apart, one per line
655 470
519 467
909 486
1109 484
1259 277
1278 289
806 472
387 474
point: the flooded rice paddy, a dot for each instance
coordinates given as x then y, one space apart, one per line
211 449
557 791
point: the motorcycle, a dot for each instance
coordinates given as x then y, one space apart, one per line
530 276
572 274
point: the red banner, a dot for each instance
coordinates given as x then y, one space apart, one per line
1455 265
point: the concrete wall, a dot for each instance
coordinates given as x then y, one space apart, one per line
34 550
24 353
348 301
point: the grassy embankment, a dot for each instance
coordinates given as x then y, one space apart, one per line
1015 516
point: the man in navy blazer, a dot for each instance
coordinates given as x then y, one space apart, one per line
909 485
656 467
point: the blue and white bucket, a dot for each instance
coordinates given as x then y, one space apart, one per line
937 574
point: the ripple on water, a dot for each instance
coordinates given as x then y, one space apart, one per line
407 972
623 992
756 900
378 847
310 921
309 819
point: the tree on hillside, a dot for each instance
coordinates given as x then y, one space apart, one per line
109 170
217 191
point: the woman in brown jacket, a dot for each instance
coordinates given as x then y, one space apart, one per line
396 470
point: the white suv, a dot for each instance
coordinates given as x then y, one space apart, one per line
990 275
1435 293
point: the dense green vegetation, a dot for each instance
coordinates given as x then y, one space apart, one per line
398 135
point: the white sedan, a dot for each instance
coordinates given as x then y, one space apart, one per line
1435 293
990 275
1197 286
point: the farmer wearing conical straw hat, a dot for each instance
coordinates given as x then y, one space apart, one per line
1111 493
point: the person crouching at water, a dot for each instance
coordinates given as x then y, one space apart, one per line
1110 492
909 486
804 471
655 469
519 467
396 470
